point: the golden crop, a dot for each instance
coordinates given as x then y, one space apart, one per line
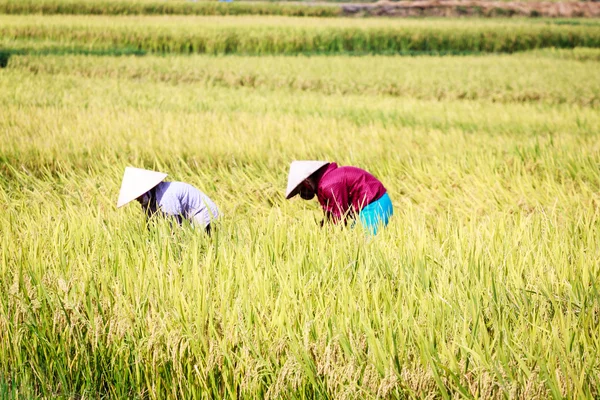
485 283
284 35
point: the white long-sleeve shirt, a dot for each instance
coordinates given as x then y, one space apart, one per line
182 200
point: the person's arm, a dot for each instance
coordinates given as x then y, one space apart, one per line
336 203
178 219
326 218
172 208
150 209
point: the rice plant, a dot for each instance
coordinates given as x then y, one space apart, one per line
484 285
287 35
536 77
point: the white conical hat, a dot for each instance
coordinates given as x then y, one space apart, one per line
299 171
136 182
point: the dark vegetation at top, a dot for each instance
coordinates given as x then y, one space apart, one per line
418 8
121 7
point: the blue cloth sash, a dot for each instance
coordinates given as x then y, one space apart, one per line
377 214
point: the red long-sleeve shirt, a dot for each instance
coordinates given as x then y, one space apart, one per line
344 191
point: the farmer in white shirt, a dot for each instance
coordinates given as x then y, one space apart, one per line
174 199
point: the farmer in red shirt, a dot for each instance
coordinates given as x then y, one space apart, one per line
343 192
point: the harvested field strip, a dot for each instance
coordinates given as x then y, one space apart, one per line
498 78
185 22
449 8
287 35
580 54
104 7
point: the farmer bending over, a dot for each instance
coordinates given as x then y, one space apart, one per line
343 192
174 199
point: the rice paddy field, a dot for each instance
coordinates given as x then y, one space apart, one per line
485 284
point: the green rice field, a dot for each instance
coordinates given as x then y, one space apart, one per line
485 284
271 35
162 7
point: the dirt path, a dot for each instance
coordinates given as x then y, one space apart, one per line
448 8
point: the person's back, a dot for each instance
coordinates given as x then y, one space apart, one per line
182 199
348 188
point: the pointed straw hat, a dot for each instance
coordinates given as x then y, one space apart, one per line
299 171
136 182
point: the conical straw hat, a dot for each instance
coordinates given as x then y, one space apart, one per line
136 182
299 171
